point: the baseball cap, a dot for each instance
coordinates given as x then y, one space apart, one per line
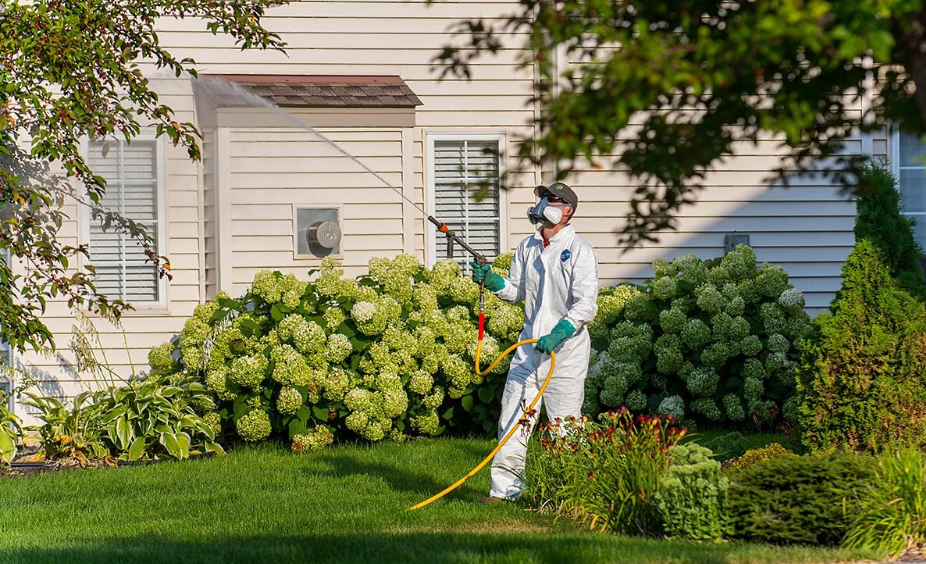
559 189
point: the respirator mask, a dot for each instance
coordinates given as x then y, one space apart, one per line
544 211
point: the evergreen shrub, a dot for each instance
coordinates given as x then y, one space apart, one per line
799 500
879 220
713 341
862 384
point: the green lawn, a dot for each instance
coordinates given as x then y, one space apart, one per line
346 504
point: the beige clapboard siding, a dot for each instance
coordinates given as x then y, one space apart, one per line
271 173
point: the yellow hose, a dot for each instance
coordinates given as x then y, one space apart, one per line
514 428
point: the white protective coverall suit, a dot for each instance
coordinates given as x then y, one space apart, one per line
555 283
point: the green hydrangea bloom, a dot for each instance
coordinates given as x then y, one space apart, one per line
443 274
740 263
635 400
395 403
716 355
463 290
695 334
378 267
426 424
289 401
709 299
792 300
161 359
708 408
192 337
405 264
690 269
335 384
457 371
434 399
669 357
357 421
751 345
734 407
254 426
249 371
753 389
703 383
753 368
214 420
334 317
772 280
672 405
778 343
798 327
316 439
718 275
338 348
289 367
664 288
420 383
773 317
216 382
399 286
672 320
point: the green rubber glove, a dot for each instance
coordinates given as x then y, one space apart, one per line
562 331
481 272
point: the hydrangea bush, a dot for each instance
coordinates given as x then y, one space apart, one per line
709 341
376 357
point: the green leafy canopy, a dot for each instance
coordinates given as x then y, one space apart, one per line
667 88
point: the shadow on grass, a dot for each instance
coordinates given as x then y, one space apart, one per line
380 548
403 477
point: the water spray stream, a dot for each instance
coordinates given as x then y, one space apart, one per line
222 93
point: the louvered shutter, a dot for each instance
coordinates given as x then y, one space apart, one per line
461 170
130 170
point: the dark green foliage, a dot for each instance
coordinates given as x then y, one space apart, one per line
879 220
798 500
750 69
862 382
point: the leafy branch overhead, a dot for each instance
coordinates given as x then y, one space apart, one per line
71 70
665 89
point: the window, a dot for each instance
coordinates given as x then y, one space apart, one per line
133 189
460 167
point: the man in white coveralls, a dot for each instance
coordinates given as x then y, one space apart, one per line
555 273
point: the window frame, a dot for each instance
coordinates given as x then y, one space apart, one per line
86 219
431 231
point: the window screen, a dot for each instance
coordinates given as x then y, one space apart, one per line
462 170
130 170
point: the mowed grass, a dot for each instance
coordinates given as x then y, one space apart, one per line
347 504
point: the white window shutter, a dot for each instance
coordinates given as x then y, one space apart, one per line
463 169
123 270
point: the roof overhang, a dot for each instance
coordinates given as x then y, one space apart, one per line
317 101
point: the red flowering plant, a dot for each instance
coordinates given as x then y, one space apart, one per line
605 473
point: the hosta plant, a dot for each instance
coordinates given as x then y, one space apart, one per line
712 341
70 430
375 357
148 420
